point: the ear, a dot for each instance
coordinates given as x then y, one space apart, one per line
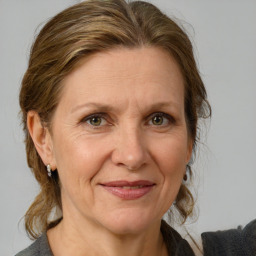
42 138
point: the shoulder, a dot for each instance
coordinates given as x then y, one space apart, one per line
175 244
39 248
235 242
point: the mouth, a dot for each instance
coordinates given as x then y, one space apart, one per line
129 190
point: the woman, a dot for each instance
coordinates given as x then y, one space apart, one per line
111 101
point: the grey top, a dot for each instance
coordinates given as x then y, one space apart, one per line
39 248
233 242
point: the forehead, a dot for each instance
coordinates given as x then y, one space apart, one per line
142 74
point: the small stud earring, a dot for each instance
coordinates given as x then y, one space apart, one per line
49 171
187 175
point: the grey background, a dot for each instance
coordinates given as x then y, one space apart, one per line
225 37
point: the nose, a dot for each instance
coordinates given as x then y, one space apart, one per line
130 149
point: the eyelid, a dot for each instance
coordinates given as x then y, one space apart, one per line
86 118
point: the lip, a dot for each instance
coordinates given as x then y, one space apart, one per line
121 188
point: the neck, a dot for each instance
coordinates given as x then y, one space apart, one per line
69 239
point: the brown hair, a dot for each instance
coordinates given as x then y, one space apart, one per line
72 35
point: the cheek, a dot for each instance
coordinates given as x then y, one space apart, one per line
79 160
171 155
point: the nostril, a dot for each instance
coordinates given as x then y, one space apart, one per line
129 168
134 165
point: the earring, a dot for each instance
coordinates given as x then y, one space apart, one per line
187 175
48 167
185 178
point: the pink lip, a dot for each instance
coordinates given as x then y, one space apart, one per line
117 188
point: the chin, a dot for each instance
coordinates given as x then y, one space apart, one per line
130 222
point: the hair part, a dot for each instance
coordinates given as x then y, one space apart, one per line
76 33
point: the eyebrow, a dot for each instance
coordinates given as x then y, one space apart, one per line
108 108
98 106
159 105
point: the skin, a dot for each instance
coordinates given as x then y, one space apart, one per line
132 140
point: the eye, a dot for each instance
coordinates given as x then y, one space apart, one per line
95 120
160 119
157 120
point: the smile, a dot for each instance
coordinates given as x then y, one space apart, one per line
129 190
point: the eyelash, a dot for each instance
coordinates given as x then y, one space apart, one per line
87 119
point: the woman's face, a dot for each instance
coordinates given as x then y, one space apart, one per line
119 139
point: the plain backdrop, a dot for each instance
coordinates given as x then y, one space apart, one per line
224 35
